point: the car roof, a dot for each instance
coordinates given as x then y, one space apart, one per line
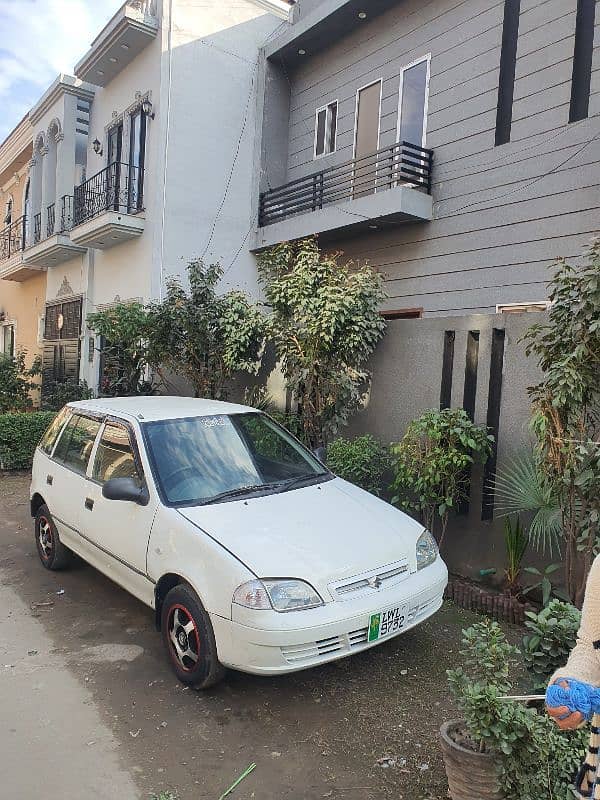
158 407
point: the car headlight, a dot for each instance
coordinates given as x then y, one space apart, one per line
427 550
281 594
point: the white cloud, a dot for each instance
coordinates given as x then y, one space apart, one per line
41 38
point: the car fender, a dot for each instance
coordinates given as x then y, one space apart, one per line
179 547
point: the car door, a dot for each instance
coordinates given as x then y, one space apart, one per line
118 530
66 476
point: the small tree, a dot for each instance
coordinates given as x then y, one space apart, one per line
432 463
566 410
325 324
202 336
16 381
124 329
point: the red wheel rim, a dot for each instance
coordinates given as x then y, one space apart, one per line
45 538
183 638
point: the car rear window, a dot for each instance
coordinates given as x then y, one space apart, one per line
53 432
76 442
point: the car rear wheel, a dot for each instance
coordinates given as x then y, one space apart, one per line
189 639
52 552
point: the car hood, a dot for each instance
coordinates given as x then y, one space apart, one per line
320 533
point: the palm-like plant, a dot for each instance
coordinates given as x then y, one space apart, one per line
520 487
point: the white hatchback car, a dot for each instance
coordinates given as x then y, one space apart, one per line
252 553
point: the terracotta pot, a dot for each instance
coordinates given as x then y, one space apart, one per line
471 776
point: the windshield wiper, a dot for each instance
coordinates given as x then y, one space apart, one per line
299 480
240 492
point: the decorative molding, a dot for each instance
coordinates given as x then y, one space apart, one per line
43 151
59 137
65 289
115 114
32 163
138 95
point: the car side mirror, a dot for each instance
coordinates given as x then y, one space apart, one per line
320 453
125 489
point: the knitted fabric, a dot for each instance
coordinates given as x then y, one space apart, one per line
577 696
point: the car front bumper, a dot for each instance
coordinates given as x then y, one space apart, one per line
301 639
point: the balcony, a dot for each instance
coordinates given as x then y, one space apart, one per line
130 30
12 245
391 185
51 243
107 208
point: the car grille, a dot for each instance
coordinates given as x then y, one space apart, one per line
300 653
373 581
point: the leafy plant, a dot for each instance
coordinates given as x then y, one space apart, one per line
124 329
325 324
16 381
516 541
536 761
202 336
56 394
544 583
431 465
363 461
20 434
521 487
566 419
552 634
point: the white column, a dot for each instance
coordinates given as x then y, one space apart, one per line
65 153
35 191
48 185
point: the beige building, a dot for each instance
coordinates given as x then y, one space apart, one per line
22 289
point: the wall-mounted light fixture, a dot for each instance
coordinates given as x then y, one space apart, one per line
147 108
97 145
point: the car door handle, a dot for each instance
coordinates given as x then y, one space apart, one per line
89 503
49 480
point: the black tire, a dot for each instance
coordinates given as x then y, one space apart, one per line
189 639
52 552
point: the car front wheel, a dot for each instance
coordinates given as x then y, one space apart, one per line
189 639
52 552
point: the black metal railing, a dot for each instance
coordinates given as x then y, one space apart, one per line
402 163
12 238
50 219
118 187
66 212
37 227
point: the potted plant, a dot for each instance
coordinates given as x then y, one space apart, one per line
502 749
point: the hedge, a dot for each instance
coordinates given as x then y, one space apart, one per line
20 434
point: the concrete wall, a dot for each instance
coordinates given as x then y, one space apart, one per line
501 214
407 368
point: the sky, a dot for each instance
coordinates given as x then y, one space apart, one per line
39 39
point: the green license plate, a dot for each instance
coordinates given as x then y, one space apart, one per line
385 623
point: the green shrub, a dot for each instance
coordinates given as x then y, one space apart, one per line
551 636
363 461
16 381
536 761
432 465
20 434
56 394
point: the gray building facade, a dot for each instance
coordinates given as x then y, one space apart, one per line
506 96
455 145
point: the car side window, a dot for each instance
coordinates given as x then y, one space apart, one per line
76 442
51 435
114 456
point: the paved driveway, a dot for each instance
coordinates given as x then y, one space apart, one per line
90 708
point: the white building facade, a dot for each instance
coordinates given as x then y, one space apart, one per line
144 160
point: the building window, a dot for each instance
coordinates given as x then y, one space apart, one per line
403 313
326 129
582 60
137 152
520 308
508 65
8 340
413 101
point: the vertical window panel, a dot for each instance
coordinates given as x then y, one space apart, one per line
414 86
582 60
508 64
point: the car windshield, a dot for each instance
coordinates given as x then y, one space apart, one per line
201 460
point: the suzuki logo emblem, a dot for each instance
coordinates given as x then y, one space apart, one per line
375 582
